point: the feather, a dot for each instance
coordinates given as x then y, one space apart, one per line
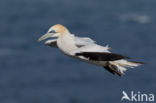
101 56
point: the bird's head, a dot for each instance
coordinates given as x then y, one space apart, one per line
55 31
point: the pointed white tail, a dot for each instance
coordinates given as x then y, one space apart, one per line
123 64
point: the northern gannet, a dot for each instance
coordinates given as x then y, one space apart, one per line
86 49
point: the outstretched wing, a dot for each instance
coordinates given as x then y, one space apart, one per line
106 57
85 44
52 43
101 56
83 41
90 48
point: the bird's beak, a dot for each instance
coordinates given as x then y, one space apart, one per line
45 36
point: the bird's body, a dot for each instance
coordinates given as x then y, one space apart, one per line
86 49
66 43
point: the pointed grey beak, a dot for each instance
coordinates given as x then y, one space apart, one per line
45 36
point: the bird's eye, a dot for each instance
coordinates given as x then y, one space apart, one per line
53 31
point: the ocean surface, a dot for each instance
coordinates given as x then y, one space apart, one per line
31 72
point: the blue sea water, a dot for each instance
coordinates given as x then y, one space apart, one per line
33 73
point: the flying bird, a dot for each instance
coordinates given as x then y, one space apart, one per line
87 50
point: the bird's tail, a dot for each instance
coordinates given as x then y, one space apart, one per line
123 64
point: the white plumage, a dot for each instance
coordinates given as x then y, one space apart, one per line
86 49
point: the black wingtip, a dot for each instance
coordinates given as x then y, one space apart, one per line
102 56
78 54
112 69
